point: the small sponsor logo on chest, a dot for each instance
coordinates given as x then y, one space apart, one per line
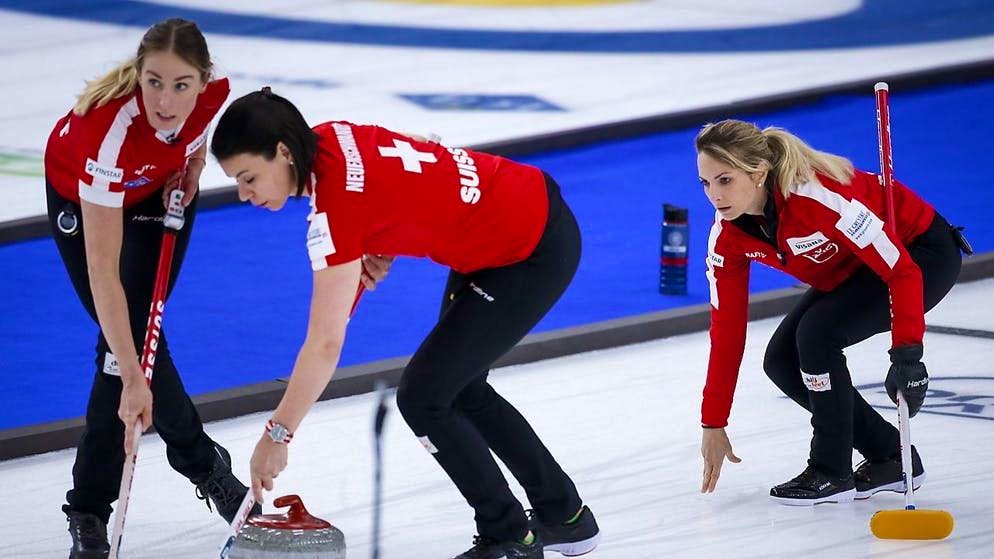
140 181
98 171
815 247
800 245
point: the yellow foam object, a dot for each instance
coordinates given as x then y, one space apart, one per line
918 524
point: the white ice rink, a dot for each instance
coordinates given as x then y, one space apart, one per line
624 424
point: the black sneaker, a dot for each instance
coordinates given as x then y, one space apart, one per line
812 487
576 538
89 536
887 475
487 548
222 487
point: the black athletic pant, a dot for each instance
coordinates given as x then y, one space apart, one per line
448 403
100 454
814 334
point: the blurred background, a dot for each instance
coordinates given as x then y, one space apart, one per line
604 95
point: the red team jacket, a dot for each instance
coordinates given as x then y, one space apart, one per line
826 232
112 156
374 191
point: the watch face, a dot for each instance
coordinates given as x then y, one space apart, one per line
278 433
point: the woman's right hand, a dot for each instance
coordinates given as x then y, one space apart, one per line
715 447
375 268
136 401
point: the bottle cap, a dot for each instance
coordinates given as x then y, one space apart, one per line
674 214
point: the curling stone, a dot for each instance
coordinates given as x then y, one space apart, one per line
292 535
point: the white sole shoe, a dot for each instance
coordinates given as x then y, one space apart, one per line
574 549
840 497
896 487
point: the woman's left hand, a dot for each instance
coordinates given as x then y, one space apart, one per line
268 460
191 181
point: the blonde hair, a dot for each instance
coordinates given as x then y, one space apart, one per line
788 159
119 82
179 36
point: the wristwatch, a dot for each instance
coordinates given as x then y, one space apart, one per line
278 432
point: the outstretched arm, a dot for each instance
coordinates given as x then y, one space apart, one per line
331 302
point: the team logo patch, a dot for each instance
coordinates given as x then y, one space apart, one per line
817 383
98 171
860 224
410 157
971 397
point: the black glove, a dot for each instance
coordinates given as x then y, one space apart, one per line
907 373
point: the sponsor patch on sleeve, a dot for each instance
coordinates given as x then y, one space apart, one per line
319 242
860 224
715 259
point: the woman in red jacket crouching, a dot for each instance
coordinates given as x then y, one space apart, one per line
810 214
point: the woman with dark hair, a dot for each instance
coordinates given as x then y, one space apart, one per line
512 245
810 214
109 165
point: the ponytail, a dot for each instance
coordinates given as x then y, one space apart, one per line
119 82
795 162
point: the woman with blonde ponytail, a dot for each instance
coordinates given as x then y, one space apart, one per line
109 164
810 214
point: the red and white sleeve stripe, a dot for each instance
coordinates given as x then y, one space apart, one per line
106 187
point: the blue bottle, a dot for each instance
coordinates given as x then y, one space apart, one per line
673 253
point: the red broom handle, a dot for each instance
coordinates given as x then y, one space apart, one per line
886 157
154 328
